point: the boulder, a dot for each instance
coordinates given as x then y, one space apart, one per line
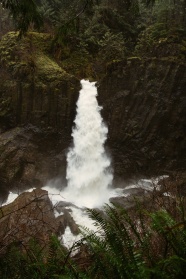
29 157
31 215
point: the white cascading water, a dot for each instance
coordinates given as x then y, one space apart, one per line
88 166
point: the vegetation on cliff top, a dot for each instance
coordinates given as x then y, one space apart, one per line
30 54
85 36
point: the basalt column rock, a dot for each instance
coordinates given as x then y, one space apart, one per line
33 87
144 104
37 109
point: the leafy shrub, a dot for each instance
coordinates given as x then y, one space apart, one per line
111 47
143 243
158 40
149 37
140 244
34 261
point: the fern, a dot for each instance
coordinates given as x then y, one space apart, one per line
126 245
113 251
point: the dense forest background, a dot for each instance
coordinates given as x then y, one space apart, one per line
93 33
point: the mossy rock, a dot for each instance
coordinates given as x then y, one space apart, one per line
48 69
11 40
41 92
79 64
42 41
4 107
30 57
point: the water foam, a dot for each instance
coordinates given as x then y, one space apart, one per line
88 165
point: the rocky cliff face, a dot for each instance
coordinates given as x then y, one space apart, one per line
144 106
37 109
34 88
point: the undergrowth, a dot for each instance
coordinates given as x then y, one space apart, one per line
144 242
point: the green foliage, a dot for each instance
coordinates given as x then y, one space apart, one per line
114 253
142 245
108 30
173 265
6 23
112 47
24 13
158 40
162 28
35 261
170 12
150 36
87 44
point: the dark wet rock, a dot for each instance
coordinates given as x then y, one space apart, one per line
131 196
134 192
31 215
66 219
60 206
175 184
163 195
126 202
144 107
30 156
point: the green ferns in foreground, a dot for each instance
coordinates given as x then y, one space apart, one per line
143 245
137 244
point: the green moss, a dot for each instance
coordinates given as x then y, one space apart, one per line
79 64
48 69
6 209
4 107
29 57
183 48
136 58
41 41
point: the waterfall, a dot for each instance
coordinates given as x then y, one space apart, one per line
88 165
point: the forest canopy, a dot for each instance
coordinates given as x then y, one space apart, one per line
91 34
56 12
